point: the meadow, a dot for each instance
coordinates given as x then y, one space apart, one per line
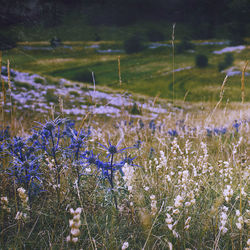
89 162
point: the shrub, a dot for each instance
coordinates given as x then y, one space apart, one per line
201 61
228 61
155 35
134 44
38 80
184 45
55 42
74 93
50 96
221 66
135 110
83 76
7 41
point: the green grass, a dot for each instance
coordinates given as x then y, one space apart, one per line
148 72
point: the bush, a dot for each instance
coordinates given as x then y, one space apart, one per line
184 45
228 61
7 41
50 96
135 110
221 66
155 35
201 61
39 80
83 76
55 42
134 44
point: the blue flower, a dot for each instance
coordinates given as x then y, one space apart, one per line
172 132
112 149
236 125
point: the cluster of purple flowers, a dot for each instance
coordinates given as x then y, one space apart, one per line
58 140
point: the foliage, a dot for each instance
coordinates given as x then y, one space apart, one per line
50 96
155 35
134 44
201 61
227 62
184 45
184 187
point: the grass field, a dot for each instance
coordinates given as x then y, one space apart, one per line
182 182
98 168
148 72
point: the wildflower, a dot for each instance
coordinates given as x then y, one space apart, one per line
172 132
236 125
112 149
178 201
128 176
153 205
186 227
20 216
169 219
24 198
4 203
74 225
240 220
228 193
248 242
223 220
125 245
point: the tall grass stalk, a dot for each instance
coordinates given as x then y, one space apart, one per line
243 83
119 70
222 89
173 55
11 106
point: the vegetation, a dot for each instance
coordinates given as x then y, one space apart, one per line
134 44
152 184
201 61
166 167
227 62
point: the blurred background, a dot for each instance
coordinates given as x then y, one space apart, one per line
31 20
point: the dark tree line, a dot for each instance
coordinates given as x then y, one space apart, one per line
204 15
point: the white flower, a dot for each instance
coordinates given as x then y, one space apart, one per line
4 200
178 201
19 215
68 238
71 223
169 219
237 212
146 188
74 239
176 211
75 232
176 235
76 217
248 242
125 245
239 226
152 197
78 210
21 190
72 211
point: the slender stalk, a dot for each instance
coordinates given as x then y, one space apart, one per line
119 70
243 83
111 180
173 37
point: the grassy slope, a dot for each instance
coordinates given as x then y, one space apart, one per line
148 72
